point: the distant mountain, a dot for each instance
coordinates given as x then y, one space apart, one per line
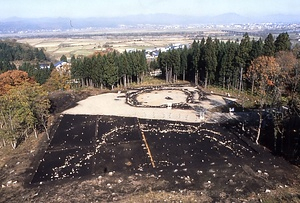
26 24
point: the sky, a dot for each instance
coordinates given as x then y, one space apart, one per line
113 8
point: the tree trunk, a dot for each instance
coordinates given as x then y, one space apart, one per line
259 126
196 77
124 81
120 84
206 80
44 123
166 74
13 144
241 80
35 132
183 75
128 80
252 87
91 83
82 82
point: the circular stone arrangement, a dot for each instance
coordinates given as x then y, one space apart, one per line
161 97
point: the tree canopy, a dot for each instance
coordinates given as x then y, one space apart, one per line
23 108
109 70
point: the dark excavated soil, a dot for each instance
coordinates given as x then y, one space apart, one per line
216 158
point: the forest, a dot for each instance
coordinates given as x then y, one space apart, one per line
266 69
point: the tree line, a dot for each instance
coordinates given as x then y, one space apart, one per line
11 51
214 62
109 70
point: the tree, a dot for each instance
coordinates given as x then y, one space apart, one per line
142 65
269 46
243 57
58 80
110 71
257 49
282 42
77 71
164 63
123 68
175 63
41 55
195 59
265 70
63 58
13 78
22 110
210 61
289 74
285 87
97 71
184 62
227 70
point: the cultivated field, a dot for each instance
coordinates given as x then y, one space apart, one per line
87 43
56 47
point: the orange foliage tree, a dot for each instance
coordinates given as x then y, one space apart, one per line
263 73
13 78
24 109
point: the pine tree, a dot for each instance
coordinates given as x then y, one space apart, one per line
257 49
269 47
63 58
210 61
282 42
110 71
184 62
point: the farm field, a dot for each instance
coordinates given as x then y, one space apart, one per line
87 46
87 43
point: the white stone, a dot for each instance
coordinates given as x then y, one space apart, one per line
268 191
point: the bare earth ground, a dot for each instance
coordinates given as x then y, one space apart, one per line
114 104
210 162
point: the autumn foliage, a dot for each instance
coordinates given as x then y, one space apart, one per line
263 72
13 78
